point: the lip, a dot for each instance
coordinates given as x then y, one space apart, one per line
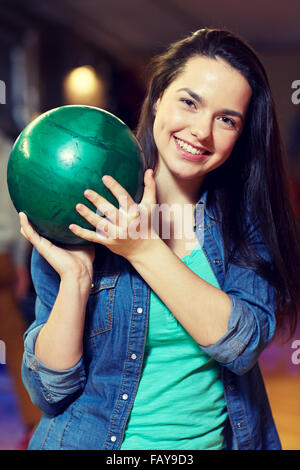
187 155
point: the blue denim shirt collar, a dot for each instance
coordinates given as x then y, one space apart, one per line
202 205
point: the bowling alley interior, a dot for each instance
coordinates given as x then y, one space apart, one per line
96 53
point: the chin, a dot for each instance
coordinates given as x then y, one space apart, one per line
187 174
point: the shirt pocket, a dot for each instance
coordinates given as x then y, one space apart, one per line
100 307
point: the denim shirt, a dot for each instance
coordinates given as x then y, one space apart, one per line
88 405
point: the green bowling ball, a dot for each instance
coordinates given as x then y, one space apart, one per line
60 154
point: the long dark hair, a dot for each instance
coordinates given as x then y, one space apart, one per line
254 180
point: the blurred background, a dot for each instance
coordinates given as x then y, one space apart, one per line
95 52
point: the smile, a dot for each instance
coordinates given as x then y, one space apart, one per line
190 148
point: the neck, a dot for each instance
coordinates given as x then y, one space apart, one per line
171 189
180 196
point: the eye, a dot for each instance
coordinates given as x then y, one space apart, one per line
188 102
229 122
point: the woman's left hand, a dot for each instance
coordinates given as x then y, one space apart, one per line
126 230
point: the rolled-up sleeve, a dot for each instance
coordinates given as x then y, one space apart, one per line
251 324
49 389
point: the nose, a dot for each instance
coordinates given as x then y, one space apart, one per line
202 128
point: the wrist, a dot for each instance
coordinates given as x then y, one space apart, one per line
146 251
81 281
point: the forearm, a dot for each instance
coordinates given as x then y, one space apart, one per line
202 309
59 344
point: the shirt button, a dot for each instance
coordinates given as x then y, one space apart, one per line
113 438
239 425
92 285
133 356
139 310
125 396
216 261
200 226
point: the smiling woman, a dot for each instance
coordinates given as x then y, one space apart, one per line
199 118
254 179
158 347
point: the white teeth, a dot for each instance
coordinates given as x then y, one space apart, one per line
188 147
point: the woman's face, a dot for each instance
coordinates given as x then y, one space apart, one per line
199 117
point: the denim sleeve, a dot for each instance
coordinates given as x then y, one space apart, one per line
50 390
251 324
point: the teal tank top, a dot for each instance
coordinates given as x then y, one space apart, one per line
180 400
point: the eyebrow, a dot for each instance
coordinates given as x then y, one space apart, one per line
200 100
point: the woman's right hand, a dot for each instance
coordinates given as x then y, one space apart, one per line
76 261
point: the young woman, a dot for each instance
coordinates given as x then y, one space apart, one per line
152 342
